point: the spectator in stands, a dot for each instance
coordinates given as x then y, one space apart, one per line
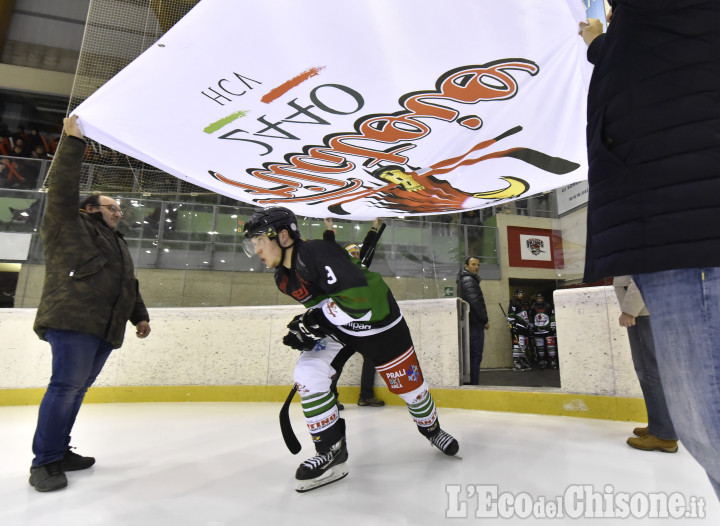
19 149
35 139
38 152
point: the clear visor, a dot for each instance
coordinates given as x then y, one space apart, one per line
251 245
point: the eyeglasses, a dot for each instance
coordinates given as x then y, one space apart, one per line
114 209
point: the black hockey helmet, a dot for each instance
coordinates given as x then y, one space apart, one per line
518 293
269 221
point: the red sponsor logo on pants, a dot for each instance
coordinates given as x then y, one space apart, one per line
403 374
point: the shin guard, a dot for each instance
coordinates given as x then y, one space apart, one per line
403 377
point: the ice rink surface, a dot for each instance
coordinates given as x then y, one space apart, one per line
217 464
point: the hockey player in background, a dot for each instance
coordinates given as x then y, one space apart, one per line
347 305
541 319
519 330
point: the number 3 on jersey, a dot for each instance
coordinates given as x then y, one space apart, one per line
330 276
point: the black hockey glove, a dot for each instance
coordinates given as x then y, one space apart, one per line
311 321
292 340
305 330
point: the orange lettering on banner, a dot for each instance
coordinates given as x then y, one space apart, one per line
468 85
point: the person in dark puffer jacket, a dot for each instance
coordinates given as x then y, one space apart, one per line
653 139
90 293
468 287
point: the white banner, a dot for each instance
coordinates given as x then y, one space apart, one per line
358 109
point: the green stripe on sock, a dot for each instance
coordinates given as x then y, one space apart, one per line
317 404
424 408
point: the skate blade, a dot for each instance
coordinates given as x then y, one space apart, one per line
334 474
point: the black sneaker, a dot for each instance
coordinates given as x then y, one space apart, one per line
74 462
444 442
323 468
48 477
372 402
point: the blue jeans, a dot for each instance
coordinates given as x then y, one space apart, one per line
644 358
477 344
77 359
684 307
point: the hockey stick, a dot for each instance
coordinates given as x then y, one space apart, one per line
288 434
367 258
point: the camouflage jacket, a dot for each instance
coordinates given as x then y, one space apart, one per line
90 283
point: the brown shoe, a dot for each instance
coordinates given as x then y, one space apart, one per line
653 443
640 431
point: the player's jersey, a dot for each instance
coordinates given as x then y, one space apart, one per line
518 315
352 298
540 317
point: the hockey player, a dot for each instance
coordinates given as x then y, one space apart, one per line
541 314
356 308
519 330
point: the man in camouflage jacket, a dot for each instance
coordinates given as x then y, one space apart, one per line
90 293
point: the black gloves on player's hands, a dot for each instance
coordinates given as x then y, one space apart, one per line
292 340
305 330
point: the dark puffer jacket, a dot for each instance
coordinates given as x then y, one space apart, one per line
654 139
468 287
90 283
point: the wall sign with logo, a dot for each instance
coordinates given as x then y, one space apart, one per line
534 247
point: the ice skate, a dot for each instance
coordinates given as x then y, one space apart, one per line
323 468
444 442
517 365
